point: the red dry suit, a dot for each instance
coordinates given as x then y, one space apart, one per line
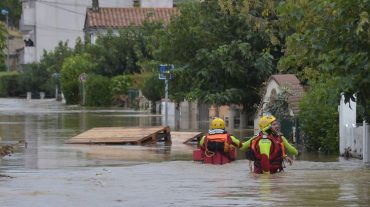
273 162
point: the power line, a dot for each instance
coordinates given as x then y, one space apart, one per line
65 3
61 8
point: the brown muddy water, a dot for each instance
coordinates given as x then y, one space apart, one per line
49 173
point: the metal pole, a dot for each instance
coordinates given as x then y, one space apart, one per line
166 101
7 41
83 93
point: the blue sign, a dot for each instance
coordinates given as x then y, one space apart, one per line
165 71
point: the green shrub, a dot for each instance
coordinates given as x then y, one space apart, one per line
9 84
69 79
35 79
121 84
98 91
319 118
153 88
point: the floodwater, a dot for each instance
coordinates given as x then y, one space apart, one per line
49 173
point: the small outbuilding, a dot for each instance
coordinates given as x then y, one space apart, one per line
276 85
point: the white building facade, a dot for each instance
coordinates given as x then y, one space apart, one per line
47 22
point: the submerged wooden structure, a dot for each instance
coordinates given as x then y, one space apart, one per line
123 135
187 137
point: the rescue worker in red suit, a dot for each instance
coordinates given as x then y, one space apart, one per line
218 140
267 148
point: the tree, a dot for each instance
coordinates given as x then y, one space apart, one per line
71 69
118 54
330 37
121 84
279 106
153 89
319 116
52 61
219 57
3 34
15 11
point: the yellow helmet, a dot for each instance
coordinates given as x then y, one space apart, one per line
218 123
265 122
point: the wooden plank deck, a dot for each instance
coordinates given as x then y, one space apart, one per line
186 137
122 135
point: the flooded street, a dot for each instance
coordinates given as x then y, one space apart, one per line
50 173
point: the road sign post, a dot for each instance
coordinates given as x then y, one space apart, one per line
165 74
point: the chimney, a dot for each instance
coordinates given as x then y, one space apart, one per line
95 5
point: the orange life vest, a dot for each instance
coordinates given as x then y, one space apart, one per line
219 138
276 156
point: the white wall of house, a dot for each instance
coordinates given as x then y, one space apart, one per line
49 22
96 32
156 3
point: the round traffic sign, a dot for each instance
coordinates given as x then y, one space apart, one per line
82 77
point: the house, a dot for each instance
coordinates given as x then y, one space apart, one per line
46 23
14 42
99 20
276 85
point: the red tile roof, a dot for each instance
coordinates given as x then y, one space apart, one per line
123 17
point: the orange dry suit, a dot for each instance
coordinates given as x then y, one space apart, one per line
218 140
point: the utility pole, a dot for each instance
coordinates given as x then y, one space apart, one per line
6 13
165 74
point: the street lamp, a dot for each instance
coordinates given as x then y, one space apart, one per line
6 13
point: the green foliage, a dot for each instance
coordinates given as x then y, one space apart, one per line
71 69
3 34
35 79
2 65
219 58
319 116
15 10
120 54
330 37
153 88
98 91
52 61
120 84
279 105
138 79
9 84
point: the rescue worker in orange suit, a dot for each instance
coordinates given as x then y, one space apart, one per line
218 140
267 149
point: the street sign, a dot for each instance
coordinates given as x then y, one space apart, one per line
165 71
82 77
